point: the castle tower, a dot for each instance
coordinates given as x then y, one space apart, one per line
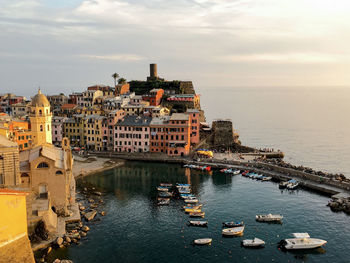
153 71
40 120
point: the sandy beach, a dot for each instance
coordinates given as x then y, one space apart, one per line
85 166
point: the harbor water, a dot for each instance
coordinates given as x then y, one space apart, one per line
135 229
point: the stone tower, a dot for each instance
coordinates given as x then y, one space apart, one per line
40 120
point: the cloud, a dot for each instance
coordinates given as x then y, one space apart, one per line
114 57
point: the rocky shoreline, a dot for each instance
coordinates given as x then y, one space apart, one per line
91 207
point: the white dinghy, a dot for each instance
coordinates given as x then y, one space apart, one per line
234 231
203 241
269 218
256 242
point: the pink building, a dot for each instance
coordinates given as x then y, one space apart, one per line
57 129
132 134
194 125
108 128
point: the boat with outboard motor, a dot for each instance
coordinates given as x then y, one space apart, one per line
301 241
269 218
198 223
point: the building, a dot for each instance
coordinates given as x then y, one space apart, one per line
20 109
57 129
56 101
14 243
153 74
7 100
108 128
130 109
195 125
123 88
190 101
154 97
132 134
17 131
9 163
76 98
68 110
40 119
171 135
155 111
73 129
93 136
90 97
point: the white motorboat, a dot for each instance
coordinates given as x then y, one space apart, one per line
269 218
301 241
266 178
234 231
256 242
203 241
292 186
235 172
198 223
191 201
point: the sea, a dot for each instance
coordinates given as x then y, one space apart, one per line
310 125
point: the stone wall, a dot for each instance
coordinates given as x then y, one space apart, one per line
223 133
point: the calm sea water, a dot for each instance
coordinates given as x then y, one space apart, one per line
136 230
311 125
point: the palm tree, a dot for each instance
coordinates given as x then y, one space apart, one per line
115 76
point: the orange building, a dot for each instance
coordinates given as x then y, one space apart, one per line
171 135
154 97
121 89
17 131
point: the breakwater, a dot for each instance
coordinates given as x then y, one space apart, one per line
310 181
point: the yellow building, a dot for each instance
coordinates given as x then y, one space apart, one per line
14 243
73 129
40 120
9 163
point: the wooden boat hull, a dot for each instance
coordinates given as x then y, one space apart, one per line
197 214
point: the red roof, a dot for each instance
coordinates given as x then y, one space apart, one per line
69 106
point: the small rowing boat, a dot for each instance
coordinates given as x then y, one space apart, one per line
233 224
197 214
256 242
198 223
192 210
193 206
269 218
203 241
191 201
234 231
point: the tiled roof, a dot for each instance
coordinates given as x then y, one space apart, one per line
133 120
179 117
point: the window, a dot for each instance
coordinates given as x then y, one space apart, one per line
41 128
58 172
42 165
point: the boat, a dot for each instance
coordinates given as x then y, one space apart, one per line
256 242
202 241
235 172
223 170
183 185
166 185
191 201
162 189
301 241
233 224
193 210
197 214
282 185
292 184
269 218
187 196
194 206
163 201
165 194
234 231
267 178
198 223
184 191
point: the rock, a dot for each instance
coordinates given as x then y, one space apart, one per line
103 213
67 239
74 240
91 200
85 228
85 189
335 206
66 261
98 193
56 261
90 215
82 208
59 241
83 234
94 205
49 249
101 201
82 213
80 224
42 260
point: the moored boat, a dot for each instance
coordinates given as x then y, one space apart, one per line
165 194
166 184
301 241
192 210
267 178
269 218
191 201
162 189
233 224
256 242
282 185
198 223
203 241
292 184
197 214
234 231
193 206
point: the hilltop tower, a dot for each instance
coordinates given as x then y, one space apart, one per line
40 120
153 74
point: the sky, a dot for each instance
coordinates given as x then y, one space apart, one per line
67 45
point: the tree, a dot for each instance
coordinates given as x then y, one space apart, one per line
121 81
115 76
